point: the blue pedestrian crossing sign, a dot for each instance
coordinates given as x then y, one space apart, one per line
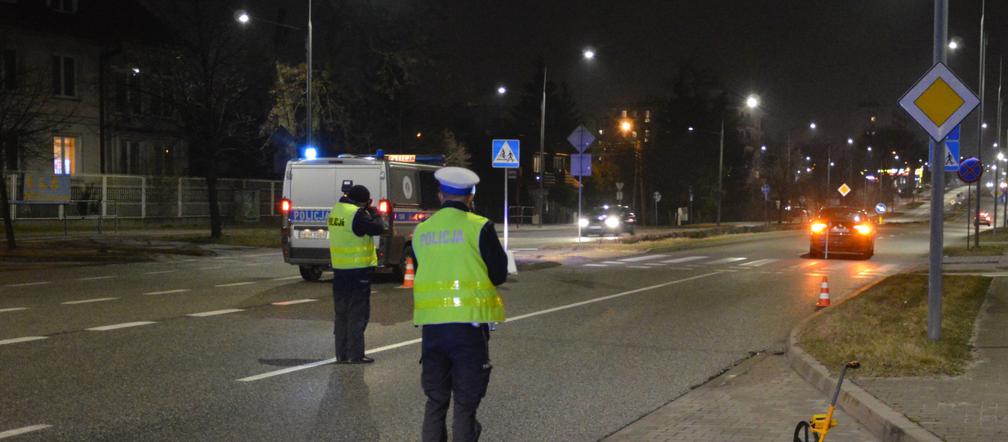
505 154
950 160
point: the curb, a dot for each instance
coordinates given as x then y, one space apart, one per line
877 417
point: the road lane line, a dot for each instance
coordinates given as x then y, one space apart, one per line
235 284
757 263
88 301
516 318
684 259
158 272
613 262
165 292
286 278
596 265
95 278
29 284
726 260
12 309
24 339
215 312
293 301
644 258
118 326
23 430
638 267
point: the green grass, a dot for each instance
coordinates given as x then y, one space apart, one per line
886 328
984 250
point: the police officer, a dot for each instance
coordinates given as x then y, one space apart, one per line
352 223
459 262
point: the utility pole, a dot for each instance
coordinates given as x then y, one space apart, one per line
308 77
720 167
998 142
937 189
983 76
542 146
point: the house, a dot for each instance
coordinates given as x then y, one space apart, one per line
100 122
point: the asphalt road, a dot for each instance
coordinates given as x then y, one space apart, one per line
234 347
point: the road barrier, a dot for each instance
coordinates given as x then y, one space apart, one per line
408 275
824 300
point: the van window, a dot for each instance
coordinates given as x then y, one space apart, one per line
428 191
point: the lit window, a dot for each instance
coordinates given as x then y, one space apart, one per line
64 74
64 155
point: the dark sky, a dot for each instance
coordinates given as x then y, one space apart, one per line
806 59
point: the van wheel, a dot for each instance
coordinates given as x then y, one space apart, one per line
310 273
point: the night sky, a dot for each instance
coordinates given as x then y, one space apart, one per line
807 60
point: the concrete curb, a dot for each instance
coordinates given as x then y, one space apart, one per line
877 417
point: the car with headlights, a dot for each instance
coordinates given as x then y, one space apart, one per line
606 219
984 217
841 230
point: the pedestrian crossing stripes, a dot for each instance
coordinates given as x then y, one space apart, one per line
727 260
643 258
684 259
758 263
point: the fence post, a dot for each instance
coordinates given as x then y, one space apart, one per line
143 197
104 196
180 197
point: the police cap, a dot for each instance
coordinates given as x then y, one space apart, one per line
456 180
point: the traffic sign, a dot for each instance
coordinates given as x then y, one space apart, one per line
951 158
939 101
656 196
619 185
880 208
581 138
506 153
619 196
765 188
581 164
970 170
46 187
844 189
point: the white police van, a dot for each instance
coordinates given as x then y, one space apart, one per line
403 191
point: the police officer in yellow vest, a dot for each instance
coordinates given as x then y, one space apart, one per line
352 223
459 263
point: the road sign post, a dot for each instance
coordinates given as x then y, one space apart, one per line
657 197
505 154
581 138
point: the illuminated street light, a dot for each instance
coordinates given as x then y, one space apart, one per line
588 54
690 128
808 158
869 148
1001 156
626 126
763 148
242 17
812 125
953 44
850 141
984 125
501 90
752 102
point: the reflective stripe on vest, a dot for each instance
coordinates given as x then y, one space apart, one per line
346 250
451 283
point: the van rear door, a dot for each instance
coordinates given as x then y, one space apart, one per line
315 189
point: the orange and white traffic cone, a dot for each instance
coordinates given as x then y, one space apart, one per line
408 275
824 300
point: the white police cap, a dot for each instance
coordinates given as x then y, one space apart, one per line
456 180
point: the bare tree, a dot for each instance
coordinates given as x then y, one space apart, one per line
29 115
456 153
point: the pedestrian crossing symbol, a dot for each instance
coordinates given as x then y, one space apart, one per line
506 154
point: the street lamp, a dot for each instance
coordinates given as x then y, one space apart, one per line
763 148
850 141
588 54
812 125
501 90
244 18
752 102
953 44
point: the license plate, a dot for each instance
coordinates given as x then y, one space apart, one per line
313 234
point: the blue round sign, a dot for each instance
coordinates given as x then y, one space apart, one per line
880 208
970 170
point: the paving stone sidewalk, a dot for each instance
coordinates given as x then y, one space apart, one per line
759 400
970 407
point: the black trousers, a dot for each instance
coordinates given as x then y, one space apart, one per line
456 362
352 310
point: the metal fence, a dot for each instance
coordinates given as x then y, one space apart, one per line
145 197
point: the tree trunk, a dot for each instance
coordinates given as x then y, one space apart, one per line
5 208
215 216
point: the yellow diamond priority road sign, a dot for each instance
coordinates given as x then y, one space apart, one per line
844 189
939 101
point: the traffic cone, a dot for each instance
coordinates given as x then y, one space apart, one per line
824 300
408 275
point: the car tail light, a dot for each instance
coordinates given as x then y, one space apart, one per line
818 227
384 207
863 229
285 205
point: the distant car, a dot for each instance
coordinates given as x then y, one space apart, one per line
615 219
796 214
845 230
984 218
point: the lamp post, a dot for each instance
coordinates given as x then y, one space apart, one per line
244 18
983 77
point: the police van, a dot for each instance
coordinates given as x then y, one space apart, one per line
403 192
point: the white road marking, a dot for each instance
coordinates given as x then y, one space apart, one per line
596 265
95 278
235 284
12 309
88 301
29 284
165 292
726 260
643 258
638 267
215 312
679 268
684 259
758 263
613 262
516 318
286 278
24 339
118 326
23 430
158 272
293 301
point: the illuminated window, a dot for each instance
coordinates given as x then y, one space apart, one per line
64 155
64 76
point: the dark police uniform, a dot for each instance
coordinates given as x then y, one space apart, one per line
352 291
